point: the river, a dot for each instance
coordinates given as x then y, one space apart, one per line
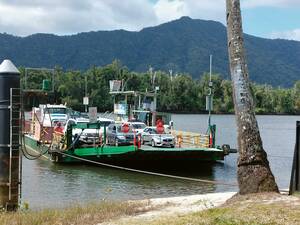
48 185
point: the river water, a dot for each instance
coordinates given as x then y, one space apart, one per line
48 185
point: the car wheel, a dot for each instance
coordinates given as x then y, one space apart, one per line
152 143
172 146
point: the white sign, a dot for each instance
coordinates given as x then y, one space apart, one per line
120 109
93 114
86 100
115 85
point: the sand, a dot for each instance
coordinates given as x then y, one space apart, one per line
170 206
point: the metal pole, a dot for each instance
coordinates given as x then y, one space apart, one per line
294 182
297 166
210 91
154 107
9 135
86 91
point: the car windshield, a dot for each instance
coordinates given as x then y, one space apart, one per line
138 126
154 131
56 110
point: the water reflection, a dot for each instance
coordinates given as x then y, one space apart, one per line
52 185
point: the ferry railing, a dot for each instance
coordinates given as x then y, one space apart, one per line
295 174
189 139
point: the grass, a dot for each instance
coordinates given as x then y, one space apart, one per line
260 209
244 211
93 213
254 214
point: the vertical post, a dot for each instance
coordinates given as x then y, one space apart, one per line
85 91
295 175
139 101
9 136
298 157
210 92
104 135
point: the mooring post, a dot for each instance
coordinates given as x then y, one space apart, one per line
9 135
298 156
295 175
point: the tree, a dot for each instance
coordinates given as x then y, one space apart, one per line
296 93
254 173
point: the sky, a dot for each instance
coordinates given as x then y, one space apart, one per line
262 18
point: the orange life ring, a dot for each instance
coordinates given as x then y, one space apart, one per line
125 128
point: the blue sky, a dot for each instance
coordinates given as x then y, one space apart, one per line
271 21
263 18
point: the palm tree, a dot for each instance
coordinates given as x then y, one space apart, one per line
254 173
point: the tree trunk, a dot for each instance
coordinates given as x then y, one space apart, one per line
254 174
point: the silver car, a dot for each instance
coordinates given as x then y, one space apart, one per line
115 135
150 136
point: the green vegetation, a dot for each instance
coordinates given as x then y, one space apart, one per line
256 209
92 213
179 93
254 214
251 210
183 45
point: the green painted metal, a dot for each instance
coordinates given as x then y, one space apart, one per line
46 85
104 150
130 152
86 126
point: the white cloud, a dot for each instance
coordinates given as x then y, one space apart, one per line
167 10
290 35
24 17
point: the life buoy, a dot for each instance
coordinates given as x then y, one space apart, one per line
210 140
160 126
125 128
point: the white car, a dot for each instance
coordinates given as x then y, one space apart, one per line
152 137
138 127
87 136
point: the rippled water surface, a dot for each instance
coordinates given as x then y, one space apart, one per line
48 185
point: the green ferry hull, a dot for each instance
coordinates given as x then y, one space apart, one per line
126 154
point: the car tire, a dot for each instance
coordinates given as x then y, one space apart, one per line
152 143
172 146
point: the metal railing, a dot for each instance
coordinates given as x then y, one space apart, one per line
189 139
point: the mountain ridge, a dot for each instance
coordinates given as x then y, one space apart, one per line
183 45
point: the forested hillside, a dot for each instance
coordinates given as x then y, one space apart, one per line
182 45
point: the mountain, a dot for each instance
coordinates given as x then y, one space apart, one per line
183 45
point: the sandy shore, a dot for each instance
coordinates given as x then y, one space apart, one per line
176 206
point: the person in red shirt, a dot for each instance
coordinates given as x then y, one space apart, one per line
59 128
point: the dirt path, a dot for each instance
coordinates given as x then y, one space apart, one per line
175 206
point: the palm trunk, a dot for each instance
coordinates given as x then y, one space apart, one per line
254 174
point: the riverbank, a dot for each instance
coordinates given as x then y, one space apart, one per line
216 208
220 208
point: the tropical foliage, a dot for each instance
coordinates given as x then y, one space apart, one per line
178 93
